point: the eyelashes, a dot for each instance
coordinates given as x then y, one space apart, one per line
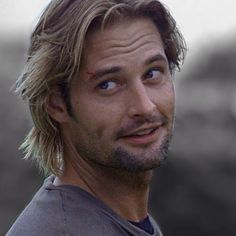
152 76
107 85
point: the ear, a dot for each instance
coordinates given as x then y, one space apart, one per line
56 107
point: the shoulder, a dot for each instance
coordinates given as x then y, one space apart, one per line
86 222
70 211
67 211
86 215
42 216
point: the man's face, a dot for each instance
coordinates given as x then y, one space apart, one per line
123 98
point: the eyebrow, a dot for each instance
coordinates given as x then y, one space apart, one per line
102 72
157 57
115 69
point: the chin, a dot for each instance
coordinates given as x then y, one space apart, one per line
137 163
142 159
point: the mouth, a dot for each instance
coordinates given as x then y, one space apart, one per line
143 136
143 132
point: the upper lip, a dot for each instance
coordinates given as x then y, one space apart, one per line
142 129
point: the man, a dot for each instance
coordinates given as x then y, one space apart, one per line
99 85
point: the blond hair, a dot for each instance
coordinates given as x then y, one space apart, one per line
54 58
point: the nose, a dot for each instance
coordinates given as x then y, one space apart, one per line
140 102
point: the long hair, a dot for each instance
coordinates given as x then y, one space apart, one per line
54 58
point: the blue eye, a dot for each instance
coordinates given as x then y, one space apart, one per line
152 74
107 85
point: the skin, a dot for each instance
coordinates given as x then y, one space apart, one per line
123 109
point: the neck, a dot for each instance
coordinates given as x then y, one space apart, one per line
124 192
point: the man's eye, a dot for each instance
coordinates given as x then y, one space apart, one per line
152 74
107 85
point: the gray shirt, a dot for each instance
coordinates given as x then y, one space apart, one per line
70 211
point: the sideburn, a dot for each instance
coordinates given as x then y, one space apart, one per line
65 91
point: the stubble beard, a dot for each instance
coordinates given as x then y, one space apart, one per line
121 159
123 166
135 171
150 157
148 160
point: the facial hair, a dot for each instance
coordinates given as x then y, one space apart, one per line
121 158
149 160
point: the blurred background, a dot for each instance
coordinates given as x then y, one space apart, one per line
194 193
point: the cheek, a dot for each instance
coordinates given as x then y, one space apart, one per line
98 119
165 99
170 93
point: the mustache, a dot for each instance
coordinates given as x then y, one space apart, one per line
140 121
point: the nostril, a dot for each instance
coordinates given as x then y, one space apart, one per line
142 108
140 102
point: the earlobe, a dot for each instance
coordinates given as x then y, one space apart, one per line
56 107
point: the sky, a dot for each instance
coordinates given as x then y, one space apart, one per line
199 20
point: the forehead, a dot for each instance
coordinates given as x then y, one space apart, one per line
123 39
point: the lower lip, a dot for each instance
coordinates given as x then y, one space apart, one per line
144 139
